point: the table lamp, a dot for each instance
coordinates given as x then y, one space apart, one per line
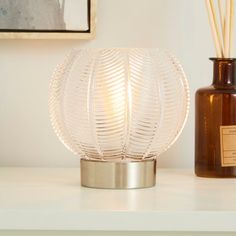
118 109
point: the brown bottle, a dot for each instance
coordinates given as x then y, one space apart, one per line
215 123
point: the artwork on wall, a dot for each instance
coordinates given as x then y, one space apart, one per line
47 18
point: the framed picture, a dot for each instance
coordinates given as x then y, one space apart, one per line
47 19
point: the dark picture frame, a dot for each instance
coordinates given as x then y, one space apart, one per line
87 31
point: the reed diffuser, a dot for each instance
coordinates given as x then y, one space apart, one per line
215 116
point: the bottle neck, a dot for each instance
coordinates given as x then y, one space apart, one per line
224 73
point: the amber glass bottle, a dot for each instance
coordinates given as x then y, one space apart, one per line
215 123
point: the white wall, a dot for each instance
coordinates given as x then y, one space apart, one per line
26 137
102 233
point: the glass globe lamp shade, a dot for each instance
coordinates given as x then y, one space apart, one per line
118 109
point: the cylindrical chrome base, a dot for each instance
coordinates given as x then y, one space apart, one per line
118 175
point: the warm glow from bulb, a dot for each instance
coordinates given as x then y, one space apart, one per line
119 104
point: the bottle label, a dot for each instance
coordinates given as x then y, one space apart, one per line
228 145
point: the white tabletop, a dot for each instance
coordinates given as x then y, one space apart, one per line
52 198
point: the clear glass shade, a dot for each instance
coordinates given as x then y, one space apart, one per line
118 104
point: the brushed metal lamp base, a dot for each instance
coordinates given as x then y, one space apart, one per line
119 174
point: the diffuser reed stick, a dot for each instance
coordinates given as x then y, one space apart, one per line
221 14
231 26
222 19
214 27
227 29
226 18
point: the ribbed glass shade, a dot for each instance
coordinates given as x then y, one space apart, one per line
118 104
